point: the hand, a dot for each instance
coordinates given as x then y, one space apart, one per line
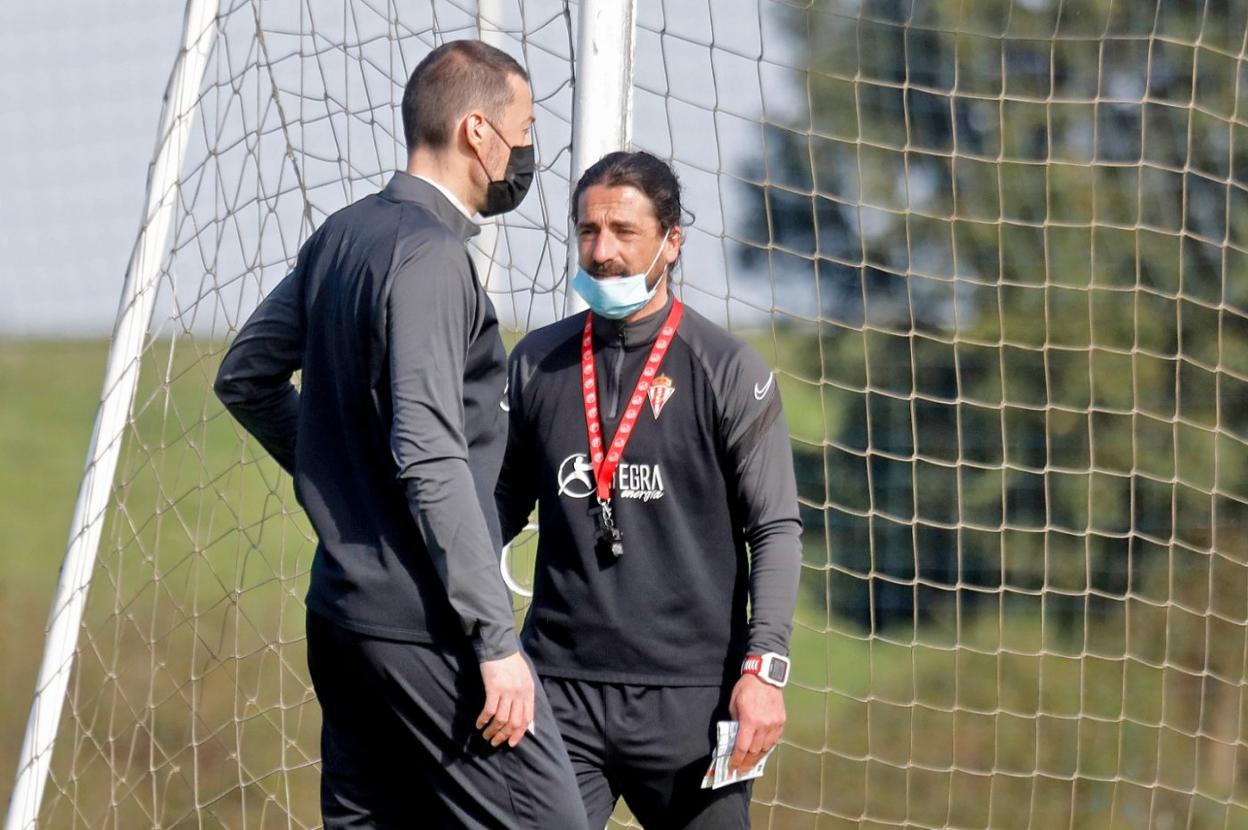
509 692
759 709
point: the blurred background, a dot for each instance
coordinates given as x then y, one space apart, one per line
80 97
995 249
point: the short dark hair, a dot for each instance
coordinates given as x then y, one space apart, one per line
452 79
652 176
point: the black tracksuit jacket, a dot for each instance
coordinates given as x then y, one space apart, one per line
704 496
396 436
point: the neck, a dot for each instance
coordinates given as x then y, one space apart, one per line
655 305
445 169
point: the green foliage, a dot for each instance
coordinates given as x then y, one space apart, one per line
1021 419
1022 220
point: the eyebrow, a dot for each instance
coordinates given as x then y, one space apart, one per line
615 224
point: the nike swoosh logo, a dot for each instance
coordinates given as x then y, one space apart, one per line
761 391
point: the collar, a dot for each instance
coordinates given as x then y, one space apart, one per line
404 187
450 197
635 334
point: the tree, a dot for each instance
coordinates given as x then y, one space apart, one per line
1024 218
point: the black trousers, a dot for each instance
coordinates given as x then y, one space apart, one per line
400 748
650 744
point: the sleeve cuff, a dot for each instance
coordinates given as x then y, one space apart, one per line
495 643
764 645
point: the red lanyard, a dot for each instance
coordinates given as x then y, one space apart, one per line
604 468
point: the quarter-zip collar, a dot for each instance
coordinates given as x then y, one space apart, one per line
612 339
450 197
614 333
404 187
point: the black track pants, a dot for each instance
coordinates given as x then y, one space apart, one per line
651 745
400 749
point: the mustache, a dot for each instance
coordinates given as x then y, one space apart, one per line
605 270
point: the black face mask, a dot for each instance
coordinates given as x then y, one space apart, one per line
507 193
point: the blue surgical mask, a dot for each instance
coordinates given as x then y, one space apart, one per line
617 297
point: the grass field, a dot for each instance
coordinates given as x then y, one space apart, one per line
192 689
48 396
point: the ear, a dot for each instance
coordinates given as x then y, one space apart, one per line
671 249
474 129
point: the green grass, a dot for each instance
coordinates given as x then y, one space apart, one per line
48 396
191 686
190 663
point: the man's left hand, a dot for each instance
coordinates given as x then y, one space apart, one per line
759 709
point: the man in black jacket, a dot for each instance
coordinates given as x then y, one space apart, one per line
394 442
655 447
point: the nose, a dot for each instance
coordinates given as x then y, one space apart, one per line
603 248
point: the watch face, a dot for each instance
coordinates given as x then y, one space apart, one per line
778 671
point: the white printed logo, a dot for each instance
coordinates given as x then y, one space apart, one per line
640 482
576 476
761 391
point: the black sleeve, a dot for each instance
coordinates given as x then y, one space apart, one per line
760 459
515 494
430 315
253 380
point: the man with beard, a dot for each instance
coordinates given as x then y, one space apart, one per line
655 447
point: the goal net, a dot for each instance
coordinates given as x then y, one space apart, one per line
994 249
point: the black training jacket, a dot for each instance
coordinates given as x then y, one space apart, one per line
397 434
700 482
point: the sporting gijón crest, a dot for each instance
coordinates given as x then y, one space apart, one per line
661 391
